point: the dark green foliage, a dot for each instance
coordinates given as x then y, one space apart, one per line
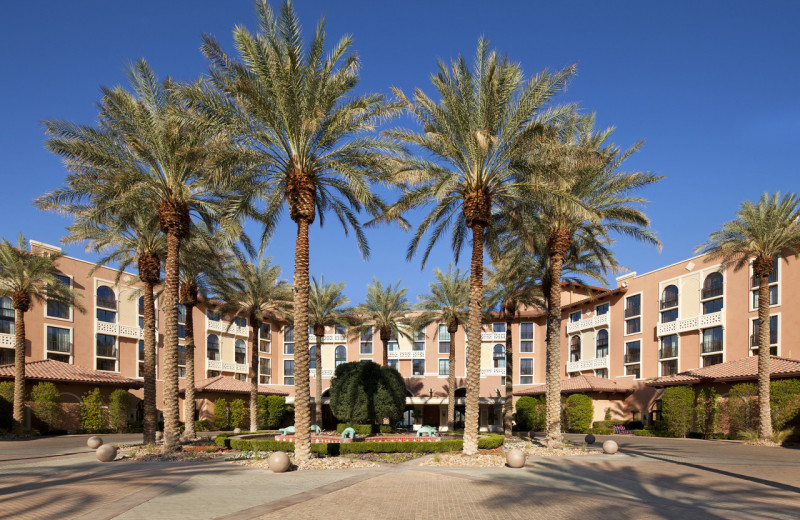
119 406
742 408
222 440
677 409
365 429
644 433
276 411
221 418
600 431
784 400
236 413
262 413
707 411
7 391
6 404
628 424
47 404
92 413
202 426
530 413
491 442
366 392
607 416
579 412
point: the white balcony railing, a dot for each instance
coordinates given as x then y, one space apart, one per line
8 340
220 326
226 366
115 329
588 364
406 354
328 338
493 336
486 372
702 321
601 320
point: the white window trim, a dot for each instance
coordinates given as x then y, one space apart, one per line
439 363
640 363
600 305
750 305
608 345
71 343
71 310
283 341
520 340
269 362
678 357
283 372
346 356
116 360
269 340
533 371
424 366
724 350
640 316
752 328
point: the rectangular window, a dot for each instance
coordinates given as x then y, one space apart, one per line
715 359
366 342
392 345
498 327
444 367
712 306
712 340
288 371
393 364
444 340
633 359
773 336
601 372
288 343
56 309
633 326
106 316
7 356
265 338
340 330
418 367
670 315
669 347
240 377
525 371
669 367
633 305
575 316
773 296
106 353
6 316
264 371
59 346
602 309
240 322
181 360
419 340
526 337
601 344
633 370
182 321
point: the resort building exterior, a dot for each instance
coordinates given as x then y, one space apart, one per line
615 342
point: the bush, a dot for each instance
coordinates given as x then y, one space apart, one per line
579 411
119 406
222 440
47 404
607 416
276 411
7 391
742 408
262 412
385 428
601 431
93 414
491 442
784 401
360 429
236 414
202 426
707 411
364 393
530 413
643 433
677 407
221 418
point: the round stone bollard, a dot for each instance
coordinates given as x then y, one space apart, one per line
278 462
589 439
106 453
159 436
237 431
94 442
515 458
610 447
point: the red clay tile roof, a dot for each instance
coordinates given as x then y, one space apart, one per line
58 372
582 383
737 370
229 385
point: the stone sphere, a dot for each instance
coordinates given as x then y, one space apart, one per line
159 436
589 439
515 458
278 462
106 453
94 442
237 431
610 447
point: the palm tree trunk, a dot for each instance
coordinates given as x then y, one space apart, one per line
150 422
764 411
171 409
253 373
19 371
189 405
553 376
508 411
318 383
302 413
385 349
451 386
472 415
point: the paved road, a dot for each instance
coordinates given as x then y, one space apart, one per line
649 478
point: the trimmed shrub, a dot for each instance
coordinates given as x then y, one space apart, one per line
643 433
607 416
677 409
707 411
222 440
221 417
7 391
276 411
601 431
119 406
527 408
742 408
202 426
491 442
365 393
334 449
93 416
236 413
784 401
47 404
262 412
360 429
385 428
579 411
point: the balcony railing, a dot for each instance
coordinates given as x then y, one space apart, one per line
694 323
588 364
327 373
486 372
406 354
106 303
631 312
773 338
328 338
8 340
668 303
755 282
115 329
601 320
226 366
220 326
493 336
714 345
667 352
711 292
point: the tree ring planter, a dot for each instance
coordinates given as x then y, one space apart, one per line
106 453
515 458
589 439
278 462
610 447
94 442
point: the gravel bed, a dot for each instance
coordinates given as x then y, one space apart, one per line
312 464
479 460
157 454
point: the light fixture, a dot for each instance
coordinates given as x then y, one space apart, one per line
498 391
431 392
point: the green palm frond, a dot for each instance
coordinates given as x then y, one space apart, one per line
385 307
447 300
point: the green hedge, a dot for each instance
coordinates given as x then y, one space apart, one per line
630 425
643 433
578 412
784 397
222 439
600 431
530 413
365 429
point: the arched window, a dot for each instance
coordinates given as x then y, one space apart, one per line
212 347
312 358
106 304
669 297
240 351
340 355
499 356
575 349
712 286
602 344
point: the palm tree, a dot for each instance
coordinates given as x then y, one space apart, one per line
446 303
254 292
25 277
385 310
763 231
292 106
325 308
475 136
150 144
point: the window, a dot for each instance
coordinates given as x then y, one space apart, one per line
391 346
59 346
366 342
419 340
57 309
288 343
140 357
633 313
526 337
240 376
602 309
181 360
444 340
340 330
444 367
669 315
575 316
669 297
714 359
773 296
633 326
575 349
264 371
181 321
265 338
773 285
498 327
141 312
6 316
668 355
601 344
418 367
601 372
633 359
712 340
312 357
288 371
712 286
212 347
240 322
212 315
392 364
213 373
526 371
106 353
340 355
240 352
499 356
712 306
773 336
106 305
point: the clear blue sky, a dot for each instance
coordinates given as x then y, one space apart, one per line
711 86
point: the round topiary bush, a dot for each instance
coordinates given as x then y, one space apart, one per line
365 392
579 412
47 404
677 409
119 406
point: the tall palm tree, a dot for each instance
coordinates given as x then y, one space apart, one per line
254 292
447 303
293 106
26 277
471 144
326 307
150 144
763 231
385 309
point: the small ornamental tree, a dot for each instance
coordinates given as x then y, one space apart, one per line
119 406
236 413
7 391
579 412
220 414
707 411
276 408
677 409
93 414
47 404
262 412
6 404
742 408
530 413
784 395
363 393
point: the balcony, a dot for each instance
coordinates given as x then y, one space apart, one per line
668 304
488 372
632 312
406 354
115 329
755 282
714 345
711 292
8 340
493 336
588 364
328 338
702 321
327 373
105 303
225 366
601 320
220 326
